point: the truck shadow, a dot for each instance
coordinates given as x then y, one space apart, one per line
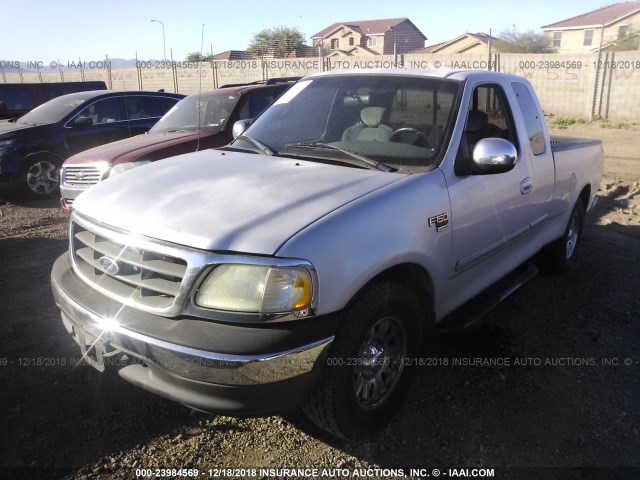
541 381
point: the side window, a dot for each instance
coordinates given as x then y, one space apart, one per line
108 110
588 38
143 107
16 99
256 102
532 120
139 107
489 117
168 103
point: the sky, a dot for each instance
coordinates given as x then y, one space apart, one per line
71 30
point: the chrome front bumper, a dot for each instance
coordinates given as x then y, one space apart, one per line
203 379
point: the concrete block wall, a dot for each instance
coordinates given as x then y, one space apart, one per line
566 84
621 87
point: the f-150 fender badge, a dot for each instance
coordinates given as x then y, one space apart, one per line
440 221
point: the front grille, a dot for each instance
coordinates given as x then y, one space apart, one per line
81 175
144 276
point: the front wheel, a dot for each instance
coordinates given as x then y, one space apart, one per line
366 372
40 177
558 256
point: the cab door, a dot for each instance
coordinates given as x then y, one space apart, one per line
490 213
103 121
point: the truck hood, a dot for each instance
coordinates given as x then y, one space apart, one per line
135 148
226 201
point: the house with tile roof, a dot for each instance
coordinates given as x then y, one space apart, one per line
468 43
584 33
230 55
370 37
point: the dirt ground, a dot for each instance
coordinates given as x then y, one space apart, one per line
574 415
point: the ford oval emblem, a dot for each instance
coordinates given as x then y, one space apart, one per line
109 266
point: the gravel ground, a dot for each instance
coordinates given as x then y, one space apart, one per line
577 408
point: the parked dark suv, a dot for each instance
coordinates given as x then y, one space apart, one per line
16 99
33 148
180 131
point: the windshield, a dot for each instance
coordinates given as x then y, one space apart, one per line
404 121
214 109
53 111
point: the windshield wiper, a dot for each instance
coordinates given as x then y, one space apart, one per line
363 160
256 143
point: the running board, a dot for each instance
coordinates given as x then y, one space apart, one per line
470 314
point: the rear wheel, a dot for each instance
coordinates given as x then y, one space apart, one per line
366 372
40 177
559 256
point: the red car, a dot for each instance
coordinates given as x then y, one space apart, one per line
197 122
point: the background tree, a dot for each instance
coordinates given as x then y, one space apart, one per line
524 42
276 42
194 57
628 41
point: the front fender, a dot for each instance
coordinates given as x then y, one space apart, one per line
388 227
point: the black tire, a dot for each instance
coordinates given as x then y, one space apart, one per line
559 256
39 177
366 373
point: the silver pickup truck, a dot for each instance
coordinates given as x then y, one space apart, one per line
303 264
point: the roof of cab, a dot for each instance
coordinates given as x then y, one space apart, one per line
458 74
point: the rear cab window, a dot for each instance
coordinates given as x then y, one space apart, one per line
531 116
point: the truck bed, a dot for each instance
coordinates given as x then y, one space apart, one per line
559 144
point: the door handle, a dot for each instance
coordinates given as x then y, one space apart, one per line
526 186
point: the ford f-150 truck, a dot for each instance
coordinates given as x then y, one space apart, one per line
303 264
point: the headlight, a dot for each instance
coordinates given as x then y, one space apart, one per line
256 289
123 167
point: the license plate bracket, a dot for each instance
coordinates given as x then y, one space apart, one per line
92 348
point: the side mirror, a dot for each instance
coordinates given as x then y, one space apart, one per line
239 127
83 122
494 155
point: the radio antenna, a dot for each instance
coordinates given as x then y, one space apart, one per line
126 106
200 112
